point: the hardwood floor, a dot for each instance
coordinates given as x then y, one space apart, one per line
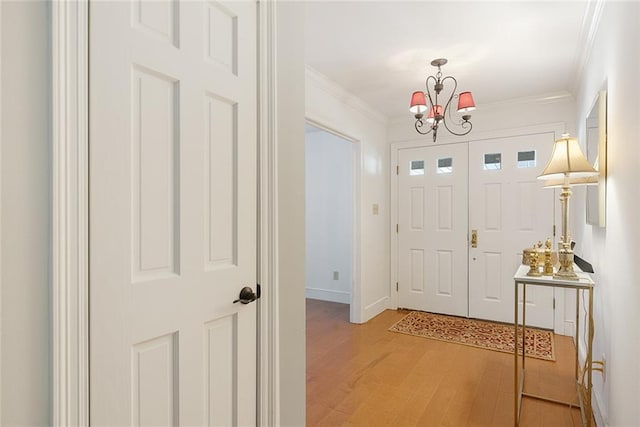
364 375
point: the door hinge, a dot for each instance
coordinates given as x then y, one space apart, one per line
396 286
258 290
554 303
397 228
397 169
554 230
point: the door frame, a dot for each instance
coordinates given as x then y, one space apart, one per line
562 325
355 306
70 215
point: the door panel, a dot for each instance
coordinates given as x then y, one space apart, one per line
172 212
510 210
432 235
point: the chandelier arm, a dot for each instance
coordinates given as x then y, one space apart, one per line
463 125
426 83
419 124
447 110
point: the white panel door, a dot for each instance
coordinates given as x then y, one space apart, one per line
172 212
510 210
432 229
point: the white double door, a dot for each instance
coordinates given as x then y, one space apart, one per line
172 213
447 194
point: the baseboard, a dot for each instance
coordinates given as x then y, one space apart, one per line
372 310
569 328
328 295
597 413
595 398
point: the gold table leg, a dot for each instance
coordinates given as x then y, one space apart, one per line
524 321
515 355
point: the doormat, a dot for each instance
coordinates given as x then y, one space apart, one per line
476 333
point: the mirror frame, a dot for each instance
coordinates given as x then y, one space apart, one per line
596 147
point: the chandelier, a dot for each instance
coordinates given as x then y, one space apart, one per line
437 114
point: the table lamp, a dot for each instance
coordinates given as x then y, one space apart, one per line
566 168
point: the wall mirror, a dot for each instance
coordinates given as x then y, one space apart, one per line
596 134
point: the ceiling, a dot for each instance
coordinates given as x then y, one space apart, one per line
500 50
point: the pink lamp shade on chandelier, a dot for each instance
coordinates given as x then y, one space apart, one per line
418 103
435 111
465 102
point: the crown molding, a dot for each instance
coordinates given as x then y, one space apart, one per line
330 87
590 24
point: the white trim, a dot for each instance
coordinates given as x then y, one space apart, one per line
356 314
268 411
341 297
70 261
590 24
420 141
376 307
1 204
597 412
394 149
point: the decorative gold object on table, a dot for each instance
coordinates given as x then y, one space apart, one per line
548 266
527 253
534 269
538 251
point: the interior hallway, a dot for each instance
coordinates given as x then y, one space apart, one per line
364 375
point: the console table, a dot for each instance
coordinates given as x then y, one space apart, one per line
585 283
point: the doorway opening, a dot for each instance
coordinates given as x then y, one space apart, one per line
332 217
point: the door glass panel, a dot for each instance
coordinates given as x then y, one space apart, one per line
492 161
527 159
445 165
416 167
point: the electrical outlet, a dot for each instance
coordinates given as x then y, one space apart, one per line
600 366
336 275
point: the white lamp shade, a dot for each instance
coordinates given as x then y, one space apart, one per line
567 160
573 181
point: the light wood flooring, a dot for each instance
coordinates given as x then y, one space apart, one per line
364 375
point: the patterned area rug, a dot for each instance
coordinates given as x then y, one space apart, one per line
476 333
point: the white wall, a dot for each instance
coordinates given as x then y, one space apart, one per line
25 213
333 108
290 210
329 215
615 62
